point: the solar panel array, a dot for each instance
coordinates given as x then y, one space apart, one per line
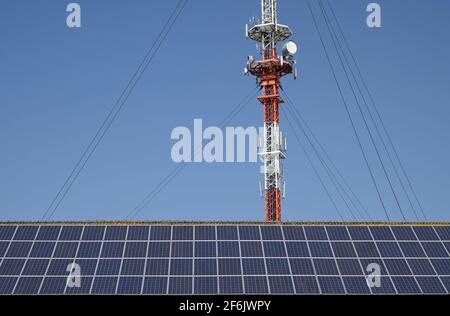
223 259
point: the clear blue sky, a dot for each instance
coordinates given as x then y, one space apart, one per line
58 84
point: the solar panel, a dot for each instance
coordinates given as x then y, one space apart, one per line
224 259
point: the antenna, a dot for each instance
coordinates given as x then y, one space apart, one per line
269 70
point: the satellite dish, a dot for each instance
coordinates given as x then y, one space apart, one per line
290 48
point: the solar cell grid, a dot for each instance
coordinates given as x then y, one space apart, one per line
48 233
382 233
271 233
294 233
210 259
337 233
227 233
315 233
7 232
26 233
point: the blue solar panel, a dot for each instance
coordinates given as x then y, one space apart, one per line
182 249
66 250
155 285
129 285
360 233
321 249
230 285
297 249
158 249
93 232
274 249
425 233
302 267
205 233
403 233
71 233
306 285
160 233
315 233
382 233
205 249
226 259
42 250
412 249
356 285
331 285
181 267
278 267
435 250
406 285
35 267
349 267
7 232
112 250
326 266
228 249
251 249
116 233
19 249
389 249
58 267
431 285
421 267
138 233
443 232
108 267
366 249
205 267
7 284
386 287
157 267
397 267
28 285
281 285
135 250
205 285
230 267
442 266
26 233
11 266
180 285
227 233
53 285
338 233
343 250
182 233
87 266
48 233
253 266
3 247
133 267
104 285
271 233
294 233
249 233
85 288
89 250
256 285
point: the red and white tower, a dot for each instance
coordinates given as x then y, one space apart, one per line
269 70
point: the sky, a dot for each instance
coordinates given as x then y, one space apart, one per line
58 84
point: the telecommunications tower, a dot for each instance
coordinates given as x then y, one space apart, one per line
268 71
